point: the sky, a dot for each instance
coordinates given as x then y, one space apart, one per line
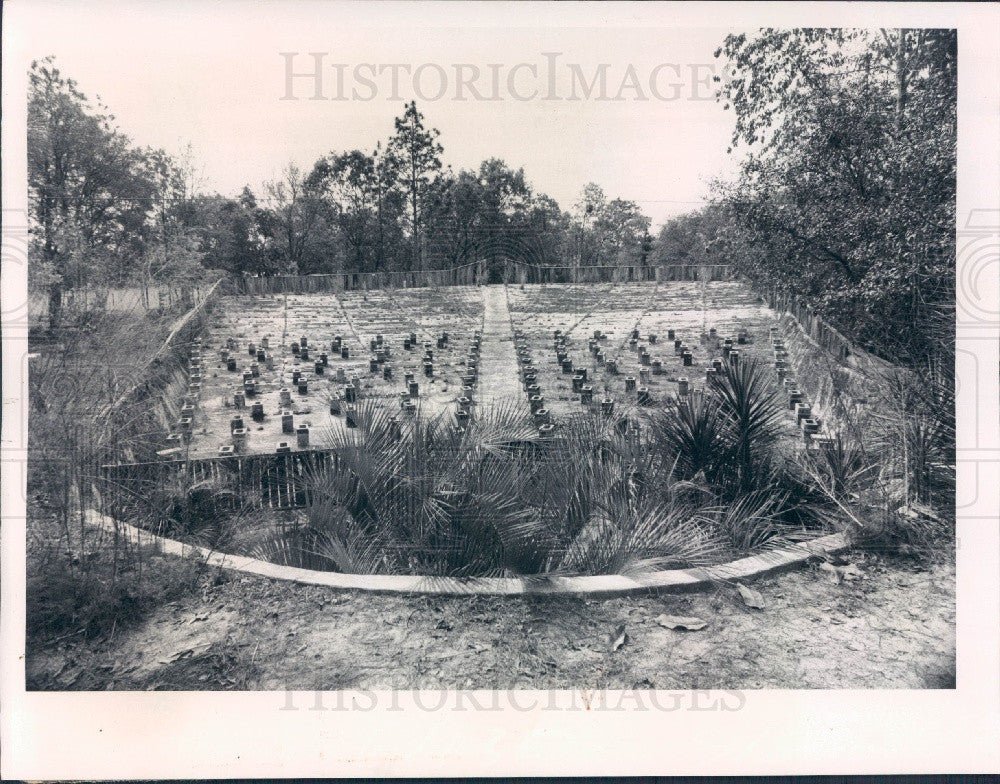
526 88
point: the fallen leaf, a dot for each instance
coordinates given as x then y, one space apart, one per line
751 597
680 622
619 638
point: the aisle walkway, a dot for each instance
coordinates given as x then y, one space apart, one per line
498 372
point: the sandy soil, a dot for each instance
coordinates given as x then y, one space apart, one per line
689 308
876 623
358 317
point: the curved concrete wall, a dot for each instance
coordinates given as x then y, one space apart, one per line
669 581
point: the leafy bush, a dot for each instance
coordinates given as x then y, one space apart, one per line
723 436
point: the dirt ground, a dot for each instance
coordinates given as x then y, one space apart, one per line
876 623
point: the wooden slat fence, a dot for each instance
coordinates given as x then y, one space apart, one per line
479 272
465 275
267 481
816 328
134 299
520 272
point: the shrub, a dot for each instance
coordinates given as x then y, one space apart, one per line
725 435
421 498
689 432
751 414
100 593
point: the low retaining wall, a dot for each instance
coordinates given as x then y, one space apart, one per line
154 400
668 581
840 380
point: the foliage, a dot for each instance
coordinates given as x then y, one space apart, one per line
417 497
722 436
846 191
748 404
105 212
690 432
102 211
99 594
418 152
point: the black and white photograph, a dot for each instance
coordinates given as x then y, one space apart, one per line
471 349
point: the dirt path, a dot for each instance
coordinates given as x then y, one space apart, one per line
891 625
498 369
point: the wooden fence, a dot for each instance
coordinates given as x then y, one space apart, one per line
519 272
816 328
466 275
480 272
268 481
135 299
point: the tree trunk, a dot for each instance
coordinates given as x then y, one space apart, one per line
900 79
55 306
416 228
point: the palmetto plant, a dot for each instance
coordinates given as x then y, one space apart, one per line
723 436
844 468
419 496
751 415
427 498
620 507
689 432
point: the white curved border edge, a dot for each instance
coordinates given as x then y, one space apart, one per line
670 581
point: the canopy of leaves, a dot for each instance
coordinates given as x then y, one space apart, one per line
846 193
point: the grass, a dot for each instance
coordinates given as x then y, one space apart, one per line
95 588
82 581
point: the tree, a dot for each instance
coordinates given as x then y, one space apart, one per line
89 189
622 232
693 238
230 236
367 202
300 225
591 204
485 214
172 252
846 193
550 231
418 153
611 232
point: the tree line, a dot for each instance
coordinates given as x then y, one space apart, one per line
106 212
844 197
